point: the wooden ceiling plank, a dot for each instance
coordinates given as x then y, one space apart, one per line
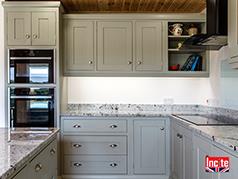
158 6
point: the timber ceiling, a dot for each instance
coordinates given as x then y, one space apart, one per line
133 6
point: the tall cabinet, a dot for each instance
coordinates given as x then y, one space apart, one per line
33 25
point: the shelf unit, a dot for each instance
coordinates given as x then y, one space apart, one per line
178 56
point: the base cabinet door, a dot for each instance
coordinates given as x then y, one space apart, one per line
202 148
149 147
181 152
233 164
19 28
176 152
44 166
79 46
114 46
149 46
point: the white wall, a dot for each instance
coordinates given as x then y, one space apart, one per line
2 114
138 90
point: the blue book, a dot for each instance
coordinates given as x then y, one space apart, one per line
195 63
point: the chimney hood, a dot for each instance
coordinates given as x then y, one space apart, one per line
216 23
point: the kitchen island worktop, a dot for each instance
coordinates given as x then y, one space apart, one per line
25 144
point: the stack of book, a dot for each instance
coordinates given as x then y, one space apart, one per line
193 63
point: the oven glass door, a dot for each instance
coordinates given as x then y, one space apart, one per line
31 71
32 110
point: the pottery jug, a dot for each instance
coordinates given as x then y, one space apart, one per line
176 29
192 30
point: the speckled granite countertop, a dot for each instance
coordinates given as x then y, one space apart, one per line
23 146
227 136
224 135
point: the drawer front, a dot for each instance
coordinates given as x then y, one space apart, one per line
94 126
95 164
95 145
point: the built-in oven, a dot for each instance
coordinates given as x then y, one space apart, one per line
32 107
31 66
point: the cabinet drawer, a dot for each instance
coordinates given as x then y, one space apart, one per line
91 145
95 164
94 126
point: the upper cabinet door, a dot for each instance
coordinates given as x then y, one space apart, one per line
19 28
79 45
43 28
149 46
114 46
149 147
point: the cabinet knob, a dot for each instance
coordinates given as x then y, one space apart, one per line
38 167
113 126
139 62
77 145
27 36
77 164
129 62
179 136
113 145
90 62
76 126
162 128
35 36
113 164
52 151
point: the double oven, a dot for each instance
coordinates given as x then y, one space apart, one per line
31 87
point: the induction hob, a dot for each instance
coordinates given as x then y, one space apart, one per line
207 120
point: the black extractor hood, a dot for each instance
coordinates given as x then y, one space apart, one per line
216 35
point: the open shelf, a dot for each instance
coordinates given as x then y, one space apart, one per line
177 56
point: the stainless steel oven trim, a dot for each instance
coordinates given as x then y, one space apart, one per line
31 97
30 58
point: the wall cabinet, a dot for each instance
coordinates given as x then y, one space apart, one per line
43 166
233 32
181 152
31 28
114 46
149 147
149 46
79 46
127 45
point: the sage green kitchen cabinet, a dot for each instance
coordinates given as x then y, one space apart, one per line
19 28
79 46
42 166
148 47
23 174
233 163
150 147
31 28
233 32
181 152
202 148
43 28
114 46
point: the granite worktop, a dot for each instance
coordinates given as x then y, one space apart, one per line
130 110
227 136
25 143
